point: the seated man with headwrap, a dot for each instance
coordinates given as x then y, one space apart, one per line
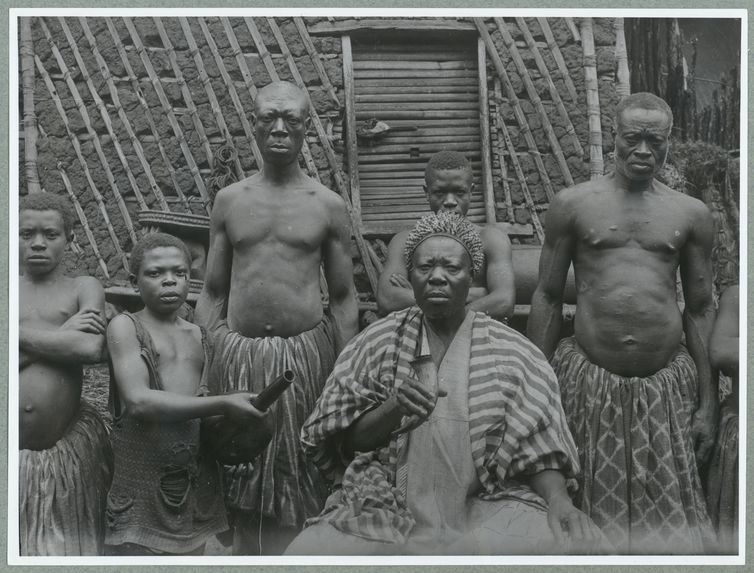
441 427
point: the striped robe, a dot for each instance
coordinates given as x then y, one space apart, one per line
516 422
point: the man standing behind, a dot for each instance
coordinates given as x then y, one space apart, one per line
449 185
636 400
268 235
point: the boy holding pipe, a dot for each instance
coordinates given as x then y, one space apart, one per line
166 495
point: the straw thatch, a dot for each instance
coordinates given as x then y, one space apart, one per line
154 114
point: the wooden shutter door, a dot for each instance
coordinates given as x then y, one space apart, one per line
428 85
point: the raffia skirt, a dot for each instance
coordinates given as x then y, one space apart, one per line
63 491
722 478
281 484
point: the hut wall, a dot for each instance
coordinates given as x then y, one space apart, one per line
556 43
133 112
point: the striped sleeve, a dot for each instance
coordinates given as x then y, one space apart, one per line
353 388
522 427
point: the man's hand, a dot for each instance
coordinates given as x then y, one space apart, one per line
86 320
400 281
703 433
415 401
572 528
238 408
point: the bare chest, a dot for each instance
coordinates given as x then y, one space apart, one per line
299 225
180 360
47 307
659 230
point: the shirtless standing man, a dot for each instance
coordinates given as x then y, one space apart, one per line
448 185
268 235
65 459
637 401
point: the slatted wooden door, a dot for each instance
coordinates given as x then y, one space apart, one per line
426 88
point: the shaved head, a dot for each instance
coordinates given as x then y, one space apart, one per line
644 100
285 90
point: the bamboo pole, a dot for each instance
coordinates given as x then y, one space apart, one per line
596 163
242 114
353 213
501 151
269 65
100 105
534 98
26 51
240 59
82 219
484 131
352 150
314 56
374 258
80 156
185 91
207 83
515 104
573 29
623 80
168 110
558 57
520 174
113 90
554 94
81 107
137 91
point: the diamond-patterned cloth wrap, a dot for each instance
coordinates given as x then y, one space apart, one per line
639 480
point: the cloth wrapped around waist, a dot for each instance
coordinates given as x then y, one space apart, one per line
281 483
62 490
640 483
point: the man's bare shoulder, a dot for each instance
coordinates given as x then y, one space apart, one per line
87 283
584 191
400 237
329 197
693 206
492 234
229 192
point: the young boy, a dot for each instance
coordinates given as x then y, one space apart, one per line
64 459
166 496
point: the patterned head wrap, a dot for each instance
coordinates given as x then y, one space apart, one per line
450 225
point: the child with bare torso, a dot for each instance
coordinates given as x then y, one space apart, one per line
166 496
64 462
